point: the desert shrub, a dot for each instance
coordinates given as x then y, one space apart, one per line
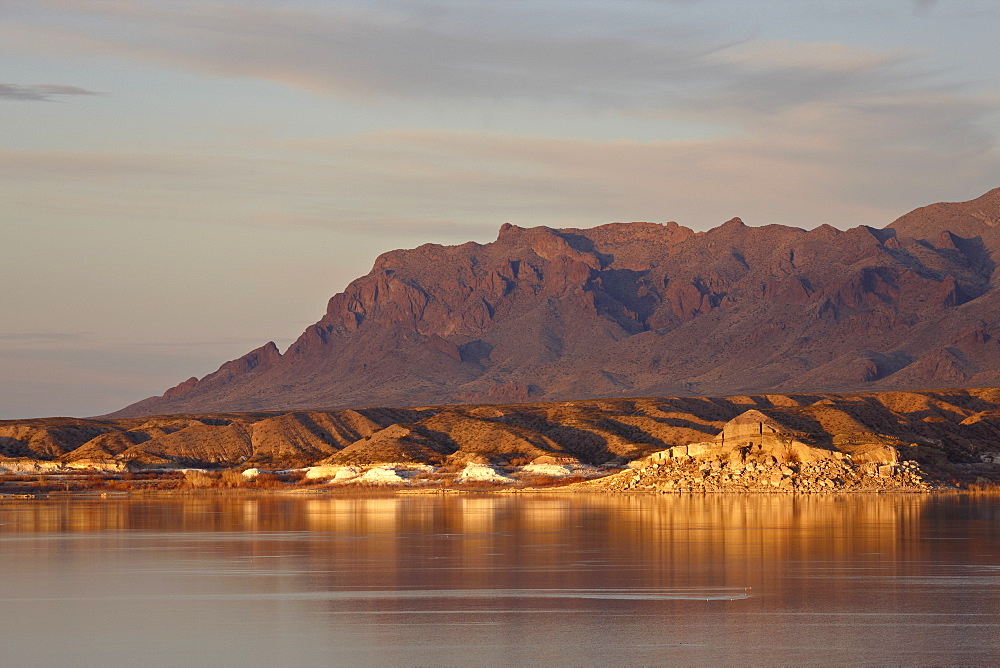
199 479
231 478
479 484
91 481
271 480
549 481
984 486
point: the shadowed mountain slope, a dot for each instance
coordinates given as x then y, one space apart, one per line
640 309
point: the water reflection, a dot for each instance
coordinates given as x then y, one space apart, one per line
502 579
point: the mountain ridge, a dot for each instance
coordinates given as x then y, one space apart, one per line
641 309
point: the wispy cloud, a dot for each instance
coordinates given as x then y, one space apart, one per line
801 127
40 93
383 226
586 56
840 111
814 164
41 336
230 343
544 50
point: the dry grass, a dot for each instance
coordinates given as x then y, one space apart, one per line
983 486
546 481
88 481
234 479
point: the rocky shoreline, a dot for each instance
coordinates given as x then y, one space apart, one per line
716 475
660 473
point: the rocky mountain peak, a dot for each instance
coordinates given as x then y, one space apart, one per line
977 217
633 309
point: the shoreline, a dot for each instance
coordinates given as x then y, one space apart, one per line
343 491
709 472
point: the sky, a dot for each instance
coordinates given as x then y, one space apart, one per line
182 181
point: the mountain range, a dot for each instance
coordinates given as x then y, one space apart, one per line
641 309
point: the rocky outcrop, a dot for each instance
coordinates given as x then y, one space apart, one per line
762 451
709 473
642 309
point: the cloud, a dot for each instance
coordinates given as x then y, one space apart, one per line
644 59
418 49
40 93
812 164
384 226
243 343
45 337
587 56
861 130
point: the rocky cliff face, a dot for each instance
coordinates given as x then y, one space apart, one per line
642 309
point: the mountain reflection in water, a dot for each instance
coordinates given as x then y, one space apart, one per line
502 580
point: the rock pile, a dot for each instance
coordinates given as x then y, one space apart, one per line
766 451
767 474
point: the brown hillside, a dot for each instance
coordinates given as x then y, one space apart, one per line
959 425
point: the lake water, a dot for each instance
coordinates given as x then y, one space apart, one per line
520 580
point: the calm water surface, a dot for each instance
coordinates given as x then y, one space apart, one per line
501 580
